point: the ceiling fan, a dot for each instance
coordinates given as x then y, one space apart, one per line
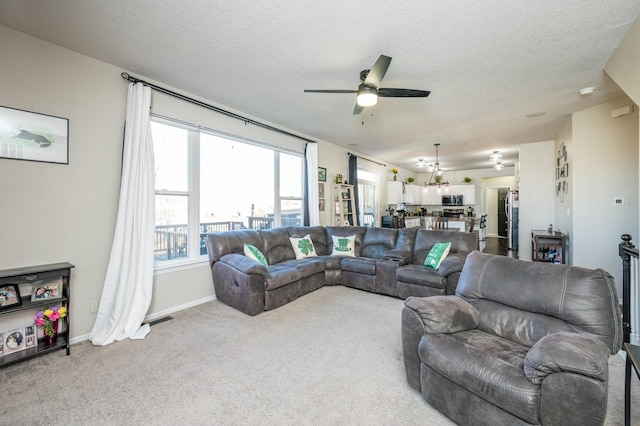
369 90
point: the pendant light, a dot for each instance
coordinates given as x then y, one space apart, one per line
435 169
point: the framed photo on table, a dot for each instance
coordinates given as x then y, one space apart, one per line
9 296
13 340
26 135
46 291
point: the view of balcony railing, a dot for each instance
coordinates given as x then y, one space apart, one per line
171 240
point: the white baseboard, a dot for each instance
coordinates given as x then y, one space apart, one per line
156 315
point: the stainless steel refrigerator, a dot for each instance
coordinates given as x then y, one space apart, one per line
512 205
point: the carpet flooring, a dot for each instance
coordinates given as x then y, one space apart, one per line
332 357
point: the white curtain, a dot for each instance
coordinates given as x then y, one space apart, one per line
311 153
126 294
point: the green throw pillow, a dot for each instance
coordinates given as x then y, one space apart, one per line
253 253
344 246
437 254
303 247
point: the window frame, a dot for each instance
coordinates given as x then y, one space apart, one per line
193 191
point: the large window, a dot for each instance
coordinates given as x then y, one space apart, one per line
206 182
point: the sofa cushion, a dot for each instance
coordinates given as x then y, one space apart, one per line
307 266
303 247
444 314
277 247
345 231
461 242
360 265
420 274
436 255
253 253
343 246
222 243
378 241
317 234
566 293
281 275
486 365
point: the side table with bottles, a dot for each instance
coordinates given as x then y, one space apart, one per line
548 246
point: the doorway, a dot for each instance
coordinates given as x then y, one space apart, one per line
502 211
494 203
367 197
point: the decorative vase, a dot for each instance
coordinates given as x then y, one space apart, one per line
395 176
51 340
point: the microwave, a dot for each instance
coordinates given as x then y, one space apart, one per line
452 200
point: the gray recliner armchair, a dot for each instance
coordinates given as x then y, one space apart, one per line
519 343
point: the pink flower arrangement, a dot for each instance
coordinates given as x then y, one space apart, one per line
47 317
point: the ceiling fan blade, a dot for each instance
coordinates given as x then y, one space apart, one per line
358 109
387 92
331 91
377 72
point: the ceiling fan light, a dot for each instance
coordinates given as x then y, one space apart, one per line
498 166
421 164
496 156
367 96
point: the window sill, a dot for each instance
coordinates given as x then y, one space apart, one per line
182 265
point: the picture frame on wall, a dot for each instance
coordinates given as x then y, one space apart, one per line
9 296
26 135
322 174
321 205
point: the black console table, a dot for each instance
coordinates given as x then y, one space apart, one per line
633 363
24 278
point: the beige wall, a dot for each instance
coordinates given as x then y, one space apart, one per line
604 166
537 179
624 65
564 205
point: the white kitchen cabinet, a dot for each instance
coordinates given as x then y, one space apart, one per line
432 196
395 193
469 195
413 194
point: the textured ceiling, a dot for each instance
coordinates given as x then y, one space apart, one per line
487 63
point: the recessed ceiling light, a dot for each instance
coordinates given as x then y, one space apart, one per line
353 144
586 91
535 114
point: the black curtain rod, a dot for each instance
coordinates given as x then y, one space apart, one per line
366 159
246 120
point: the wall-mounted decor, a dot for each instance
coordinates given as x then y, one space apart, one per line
322 174
31 136
562 172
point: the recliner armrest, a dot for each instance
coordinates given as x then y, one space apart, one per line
403 257
452 263
245 265
444 314
567 352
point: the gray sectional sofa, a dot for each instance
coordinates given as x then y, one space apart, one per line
387 261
